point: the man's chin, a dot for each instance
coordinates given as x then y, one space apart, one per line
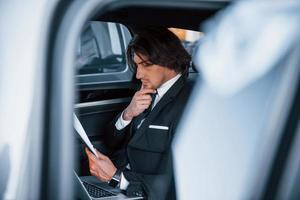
147 86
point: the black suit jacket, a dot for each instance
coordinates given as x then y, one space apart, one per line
148 150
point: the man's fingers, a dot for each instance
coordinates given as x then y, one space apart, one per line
90 155
91 161
92 172
144 107
143 97
142 104
147 91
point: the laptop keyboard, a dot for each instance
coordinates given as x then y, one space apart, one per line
96 192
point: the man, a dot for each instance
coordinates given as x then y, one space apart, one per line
145 129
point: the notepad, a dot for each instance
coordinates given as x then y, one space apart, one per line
81 132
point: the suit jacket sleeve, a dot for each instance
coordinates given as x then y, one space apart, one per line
152 186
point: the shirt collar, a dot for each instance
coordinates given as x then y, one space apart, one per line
167 85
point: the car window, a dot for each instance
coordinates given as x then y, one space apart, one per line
101 48
188 38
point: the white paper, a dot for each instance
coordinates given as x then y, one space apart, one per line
78 127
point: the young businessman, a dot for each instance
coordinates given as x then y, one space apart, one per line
144 130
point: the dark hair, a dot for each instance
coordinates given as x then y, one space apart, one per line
161 47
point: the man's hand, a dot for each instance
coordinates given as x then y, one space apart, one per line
101 166
140 102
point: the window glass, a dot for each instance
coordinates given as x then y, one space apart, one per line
101 49
188 38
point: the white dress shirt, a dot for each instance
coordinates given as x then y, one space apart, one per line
121 123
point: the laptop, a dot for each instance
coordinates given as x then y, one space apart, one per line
90 188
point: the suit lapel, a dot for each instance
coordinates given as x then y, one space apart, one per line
167 98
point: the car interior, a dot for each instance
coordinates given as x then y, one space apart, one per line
105 84
241 142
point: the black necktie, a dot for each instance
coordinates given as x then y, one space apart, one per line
146 112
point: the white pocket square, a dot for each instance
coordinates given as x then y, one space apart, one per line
159 127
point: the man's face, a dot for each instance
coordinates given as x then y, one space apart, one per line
152 76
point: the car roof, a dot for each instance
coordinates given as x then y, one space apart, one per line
186 14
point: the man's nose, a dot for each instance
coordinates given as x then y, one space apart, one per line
139 73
